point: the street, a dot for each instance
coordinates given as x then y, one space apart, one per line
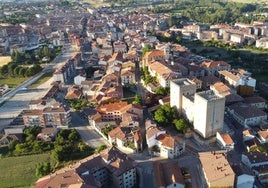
18 99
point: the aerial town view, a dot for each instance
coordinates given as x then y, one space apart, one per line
133 93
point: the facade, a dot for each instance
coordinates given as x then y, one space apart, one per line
216 169
128 76
47 117
210 121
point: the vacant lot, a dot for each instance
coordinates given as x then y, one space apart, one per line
20 171
4 60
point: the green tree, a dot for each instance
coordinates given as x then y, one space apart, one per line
146 49
137 100
74 136
165 115
181 125
162 91
43 169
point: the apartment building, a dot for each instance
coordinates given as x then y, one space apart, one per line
115 111
238 77
216 169
189 104
211 120
247 115
47 117
110 168
212 67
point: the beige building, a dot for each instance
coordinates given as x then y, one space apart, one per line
110 168
178 89
190 104
208 113
217 170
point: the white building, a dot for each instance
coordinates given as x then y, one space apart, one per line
178 89
78 79
262 43
208 113
238 77
225 141
247 115
245 181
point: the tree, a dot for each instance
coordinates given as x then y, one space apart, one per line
165 115
181 125
43 169
137 100
146 49
162 91
74 136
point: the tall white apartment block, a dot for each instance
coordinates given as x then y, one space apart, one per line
208 113
178 89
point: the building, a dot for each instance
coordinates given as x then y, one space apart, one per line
245 181
110 168
263 136
47 117
256 101
162 144
128 76
247 115
115 111
168 175
258 163
213 67
238 77
179 88
216 169
153 55
189 104
210 121
126 138
225 141
170 147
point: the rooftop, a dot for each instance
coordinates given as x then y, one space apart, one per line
217 169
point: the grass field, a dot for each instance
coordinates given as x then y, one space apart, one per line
4 60
41 80
20 171
12 82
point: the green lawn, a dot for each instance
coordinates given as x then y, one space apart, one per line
42 80
12 82
20 171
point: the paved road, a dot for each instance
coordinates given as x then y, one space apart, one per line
18 99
